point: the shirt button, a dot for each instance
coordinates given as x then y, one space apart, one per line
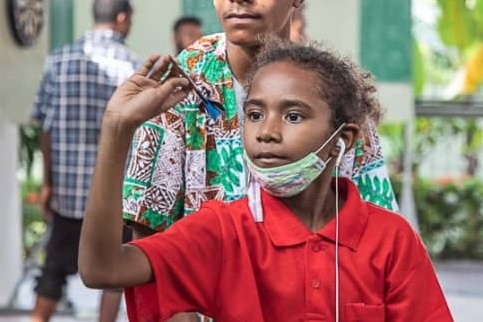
315 284
316 248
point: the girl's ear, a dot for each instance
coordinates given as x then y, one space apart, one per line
350 134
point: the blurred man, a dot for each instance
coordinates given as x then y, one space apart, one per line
78 80
186 30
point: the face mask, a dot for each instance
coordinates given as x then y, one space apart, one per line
290 179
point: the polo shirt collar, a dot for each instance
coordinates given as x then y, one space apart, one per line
285 229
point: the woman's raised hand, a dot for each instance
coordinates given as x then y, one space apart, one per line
142 96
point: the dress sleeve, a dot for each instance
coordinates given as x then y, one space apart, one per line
369 171
413 292
155 181
186 261
153 189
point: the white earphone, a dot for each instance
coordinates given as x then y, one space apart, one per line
341 145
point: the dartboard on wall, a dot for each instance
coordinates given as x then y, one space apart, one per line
26 20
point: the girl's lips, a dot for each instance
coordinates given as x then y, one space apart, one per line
270 162
268 155
269 159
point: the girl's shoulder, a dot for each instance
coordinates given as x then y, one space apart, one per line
386 218
229 214
224 207
390 225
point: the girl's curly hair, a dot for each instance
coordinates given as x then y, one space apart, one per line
349 90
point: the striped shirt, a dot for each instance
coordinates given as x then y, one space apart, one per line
77 83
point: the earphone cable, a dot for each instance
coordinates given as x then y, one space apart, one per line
337 243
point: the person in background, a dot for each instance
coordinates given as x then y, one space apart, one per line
303 245
77 82
186 30
185 156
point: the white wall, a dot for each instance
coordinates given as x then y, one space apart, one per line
336 24
21 70
152 22
11 227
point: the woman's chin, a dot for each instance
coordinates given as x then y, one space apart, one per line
243 39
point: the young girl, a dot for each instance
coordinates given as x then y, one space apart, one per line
302 246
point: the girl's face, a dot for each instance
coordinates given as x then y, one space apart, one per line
285 117
245 21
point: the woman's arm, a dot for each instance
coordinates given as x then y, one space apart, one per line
103 261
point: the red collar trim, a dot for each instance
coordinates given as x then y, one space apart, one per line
285 229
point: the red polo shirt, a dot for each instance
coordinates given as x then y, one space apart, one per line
220 262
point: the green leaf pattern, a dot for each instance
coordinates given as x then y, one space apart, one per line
376 189
227 164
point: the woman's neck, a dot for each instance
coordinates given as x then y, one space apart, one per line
240 60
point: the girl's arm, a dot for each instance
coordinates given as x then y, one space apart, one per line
103 261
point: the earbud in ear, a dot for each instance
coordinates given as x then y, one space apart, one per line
341 145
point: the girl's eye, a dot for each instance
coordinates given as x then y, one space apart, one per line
254 116
294 117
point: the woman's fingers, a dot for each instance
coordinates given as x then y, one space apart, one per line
159 69
173 91
148 65
143 96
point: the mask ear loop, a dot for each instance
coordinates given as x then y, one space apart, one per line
332 136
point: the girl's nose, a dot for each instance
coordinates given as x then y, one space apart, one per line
269 131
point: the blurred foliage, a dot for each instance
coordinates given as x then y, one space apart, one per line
34 225
459 26
418 69
450 210
29 146
458 23
428 131
450 216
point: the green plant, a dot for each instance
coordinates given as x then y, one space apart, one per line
427 133
29 145
459 27
450 216
33 223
